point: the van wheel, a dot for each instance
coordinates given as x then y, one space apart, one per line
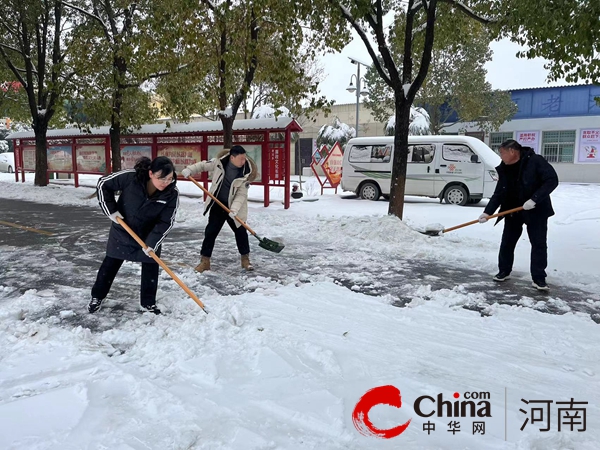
456 195
10 169
370 191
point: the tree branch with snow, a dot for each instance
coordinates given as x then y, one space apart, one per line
353 22
95 16
469 12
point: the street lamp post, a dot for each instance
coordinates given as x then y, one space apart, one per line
358 90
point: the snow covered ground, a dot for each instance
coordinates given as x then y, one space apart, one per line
282 365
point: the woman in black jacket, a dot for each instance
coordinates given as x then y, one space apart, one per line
148 204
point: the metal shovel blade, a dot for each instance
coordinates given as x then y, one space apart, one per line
268 244
432 232
434 229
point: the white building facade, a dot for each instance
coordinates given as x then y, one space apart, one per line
560 123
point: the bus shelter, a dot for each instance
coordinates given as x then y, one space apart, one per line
76 152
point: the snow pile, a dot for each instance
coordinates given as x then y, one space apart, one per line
283 368
282 361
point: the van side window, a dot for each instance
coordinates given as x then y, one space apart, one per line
457 153
370 153
360 153
421 153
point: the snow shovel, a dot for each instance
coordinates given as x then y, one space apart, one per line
437 230
267 244
162 264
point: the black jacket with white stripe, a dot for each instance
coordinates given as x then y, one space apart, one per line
150 217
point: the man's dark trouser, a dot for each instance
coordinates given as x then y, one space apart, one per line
537 229
216 219
108 272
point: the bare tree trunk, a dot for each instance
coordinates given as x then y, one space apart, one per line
400 160
227 131
115 145
120 69
41 156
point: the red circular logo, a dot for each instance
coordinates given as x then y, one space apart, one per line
382 395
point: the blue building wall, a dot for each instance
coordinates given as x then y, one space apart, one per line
565 101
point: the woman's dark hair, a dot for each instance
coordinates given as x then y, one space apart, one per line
160 164
512 144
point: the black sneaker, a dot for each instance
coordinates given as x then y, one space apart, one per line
95 305
502 276
540 285
151 308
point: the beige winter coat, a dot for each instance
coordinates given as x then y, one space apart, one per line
238 193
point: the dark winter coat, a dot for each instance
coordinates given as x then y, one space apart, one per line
537 179
151 218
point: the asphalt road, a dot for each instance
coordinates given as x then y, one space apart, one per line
67 261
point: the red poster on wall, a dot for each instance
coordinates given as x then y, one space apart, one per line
181 155
276 164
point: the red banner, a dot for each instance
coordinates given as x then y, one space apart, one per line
276 164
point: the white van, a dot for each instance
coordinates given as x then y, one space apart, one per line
459 169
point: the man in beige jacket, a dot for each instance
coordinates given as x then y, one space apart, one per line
231 173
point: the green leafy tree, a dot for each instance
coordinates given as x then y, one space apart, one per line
245 44
414 31
566 32
455 89
120 47
33 47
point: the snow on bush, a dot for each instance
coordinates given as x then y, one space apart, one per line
338 132
420 124
268 112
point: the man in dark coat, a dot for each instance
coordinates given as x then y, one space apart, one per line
148 205
527 179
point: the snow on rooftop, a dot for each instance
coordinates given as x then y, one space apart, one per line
280 123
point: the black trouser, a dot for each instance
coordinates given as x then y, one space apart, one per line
108 272
537 229
216 219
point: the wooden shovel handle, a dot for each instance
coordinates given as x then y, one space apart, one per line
504 213
161 264
218 202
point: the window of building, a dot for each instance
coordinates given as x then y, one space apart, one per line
498 138
558 146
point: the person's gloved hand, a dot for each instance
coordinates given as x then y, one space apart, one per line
114 216
529 204
186 172
147 251
232 214
483 218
